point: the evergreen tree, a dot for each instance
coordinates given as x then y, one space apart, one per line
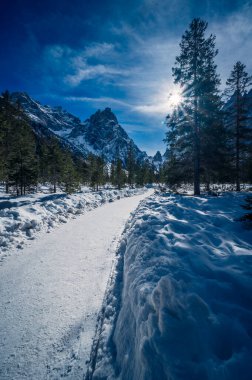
112 174
96 168
6 118
18 160
195 71
55 163
144 173
70 178
213 134
22 160
119 174
237 118
179 138
106 176
130 164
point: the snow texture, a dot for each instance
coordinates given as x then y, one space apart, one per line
21 218
52 292
180 304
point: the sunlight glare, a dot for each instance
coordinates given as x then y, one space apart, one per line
175 98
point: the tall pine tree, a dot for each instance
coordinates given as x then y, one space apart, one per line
18 159
237 116
131 164
195 71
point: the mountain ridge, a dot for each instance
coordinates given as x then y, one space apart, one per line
100 134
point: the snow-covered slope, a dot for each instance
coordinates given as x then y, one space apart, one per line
101 134
185 311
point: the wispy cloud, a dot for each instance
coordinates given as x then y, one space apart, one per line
86 71
99 49
99 100
74 66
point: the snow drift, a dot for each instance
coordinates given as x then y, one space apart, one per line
22 218
185 311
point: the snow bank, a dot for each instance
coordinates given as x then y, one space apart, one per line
22 218
185 310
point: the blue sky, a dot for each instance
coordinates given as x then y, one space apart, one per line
86 55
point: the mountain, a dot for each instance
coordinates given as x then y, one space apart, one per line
101 134
157 160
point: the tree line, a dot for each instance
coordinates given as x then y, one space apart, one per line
28 159
208 140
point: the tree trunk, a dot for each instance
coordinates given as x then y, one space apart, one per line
207 185
237 145
196 150
196 124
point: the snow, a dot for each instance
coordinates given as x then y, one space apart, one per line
52 292
21 218
180 304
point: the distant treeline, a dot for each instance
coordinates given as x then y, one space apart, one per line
208 140
28 159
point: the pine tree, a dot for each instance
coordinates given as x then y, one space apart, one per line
6 118
179 138
96 171
213 134
112 174
55 163
17 147
119 174
130 164
23 170
237 84
69 176
195 71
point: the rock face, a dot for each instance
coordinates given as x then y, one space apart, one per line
157 160
101 134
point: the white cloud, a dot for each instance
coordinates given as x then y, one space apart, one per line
98 49
86 71
73 66
107 100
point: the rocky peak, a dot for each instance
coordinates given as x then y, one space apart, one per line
101 134
103 117
157 157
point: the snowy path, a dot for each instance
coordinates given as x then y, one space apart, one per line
52 291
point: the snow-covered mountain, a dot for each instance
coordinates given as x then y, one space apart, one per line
158 160
101 134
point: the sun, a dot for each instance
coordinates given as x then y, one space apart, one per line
175 98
